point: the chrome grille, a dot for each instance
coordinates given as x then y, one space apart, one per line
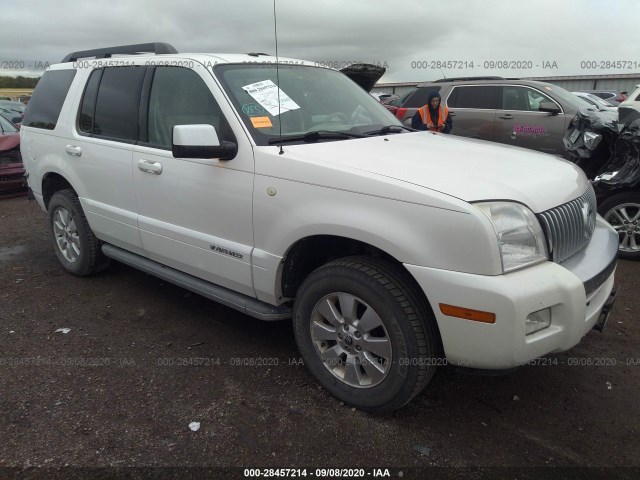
569 227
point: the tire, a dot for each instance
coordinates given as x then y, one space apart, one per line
621 208
77 248
391 325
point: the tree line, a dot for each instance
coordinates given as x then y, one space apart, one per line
18 82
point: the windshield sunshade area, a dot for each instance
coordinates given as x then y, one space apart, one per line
312 99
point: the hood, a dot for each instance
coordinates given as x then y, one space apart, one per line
468 169
364 74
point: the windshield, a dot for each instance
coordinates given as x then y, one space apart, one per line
586 100
598 101
312 99
15 106
6 126
566 96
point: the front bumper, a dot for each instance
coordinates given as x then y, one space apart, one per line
575 292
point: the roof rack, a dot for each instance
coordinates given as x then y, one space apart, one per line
257 54
466 79
157 48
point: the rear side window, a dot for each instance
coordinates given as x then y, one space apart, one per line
111 103
419 97
480 97
47 99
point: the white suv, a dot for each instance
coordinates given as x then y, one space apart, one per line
289 192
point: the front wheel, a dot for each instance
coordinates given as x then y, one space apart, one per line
622 211
366 333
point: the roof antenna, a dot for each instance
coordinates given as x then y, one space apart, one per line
275 32
445 77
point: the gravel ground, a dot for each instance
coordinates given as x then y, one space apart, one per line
142 359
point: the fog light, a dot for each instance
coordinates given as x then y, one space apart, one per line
539 320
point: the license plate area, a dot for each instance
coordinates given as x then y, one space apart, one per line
606 311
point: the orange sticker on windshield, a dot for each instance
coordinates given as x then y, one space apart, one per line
261 122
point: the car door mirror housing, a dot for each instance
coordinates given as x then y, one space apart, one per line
200 141
549 107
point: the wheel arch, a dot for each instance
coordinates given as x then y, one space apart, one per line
309 253
53 182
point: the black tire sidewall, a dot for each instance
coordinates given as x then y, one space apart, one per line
611 203
65 200
402 378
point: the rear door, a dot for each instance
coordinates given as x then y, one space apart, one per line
473 110
101 153
520 123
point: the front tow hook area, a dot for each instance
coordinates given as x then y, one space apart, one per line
606 310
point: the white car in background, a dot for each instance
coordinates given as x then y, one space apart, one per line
596 101
629 110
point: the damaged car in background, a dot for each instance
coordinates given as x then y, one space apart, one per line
12 181
608 151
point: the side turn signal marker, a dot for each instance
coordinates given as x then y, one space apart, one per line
468 314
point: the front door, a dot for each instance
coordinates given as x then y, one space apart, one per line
520 123
195 215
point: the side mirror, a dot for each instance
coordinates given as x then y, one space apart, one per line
549 107
200 141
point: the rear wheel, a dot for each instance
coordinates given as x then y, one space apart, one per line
366 333
77 248
622 211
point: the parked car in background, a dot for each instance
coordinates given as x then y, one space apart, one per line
12 181
14 111
595 101
17 107
612 97
629 110
390 101
608 151
524 113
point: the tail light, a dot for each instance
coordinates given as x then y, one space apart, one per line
401 113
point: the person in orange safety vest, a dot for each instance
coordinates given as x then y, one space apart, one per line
433 116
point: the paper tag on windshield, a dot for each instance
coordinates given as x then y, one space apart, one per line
266 94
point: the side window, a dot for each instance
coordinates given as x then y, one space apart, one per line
516 98
535 98
180 97
46 103
480 97
88 104
419 98
117 104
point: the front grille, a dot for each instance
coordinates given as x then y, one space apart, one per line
569 227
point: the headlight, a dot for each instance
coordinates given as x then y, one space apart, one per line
591 140
520 237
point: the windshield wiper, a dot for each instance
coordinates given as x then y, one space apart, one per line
314 136
389 129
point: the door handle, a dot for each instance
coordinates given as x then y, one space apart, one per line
150 166
73 150
506 116
453 114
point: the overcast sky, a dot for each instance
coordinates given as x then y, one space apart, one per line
406 36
